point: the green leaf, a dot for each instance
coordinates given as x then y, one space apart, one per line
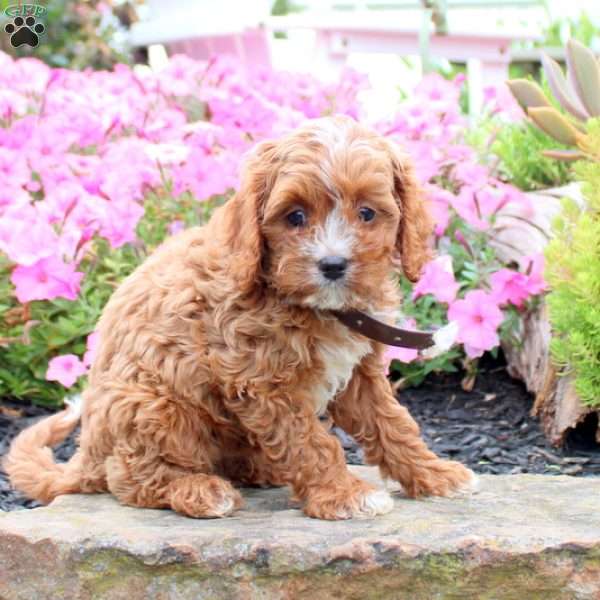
527 93
560 88
565 155
550 121
585 75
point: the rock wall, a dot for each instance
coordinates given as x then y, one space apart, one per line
522 537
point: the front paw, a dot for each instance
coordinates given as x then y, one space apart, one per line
441 478
203 496
356 500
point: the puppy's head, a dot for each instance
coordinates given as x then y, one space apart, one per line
324 214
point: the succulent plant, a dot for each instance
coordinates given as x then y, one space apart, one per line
578 94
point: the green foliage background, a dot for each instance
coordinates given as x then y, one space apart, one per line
60 326
519 147
573 272
473 263
76 36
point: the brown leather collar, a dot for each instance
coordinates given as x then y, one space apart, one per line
381 332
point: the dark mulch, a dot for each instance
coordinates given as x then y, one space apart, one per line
15 416
488 429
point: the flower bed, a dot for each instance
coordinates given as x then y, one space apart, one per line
98 167
489 429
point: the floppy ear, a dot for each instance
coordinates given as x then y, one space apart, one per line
412 243
243 215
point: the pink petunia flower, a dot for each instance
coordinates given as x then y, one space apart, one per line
437 279
47 279
176 226
206 175
498 99
478 318
533 267
439 201
405 355
25 237
13 168
509 286
119 222
65 369
466 204
471 173
516 287
93 342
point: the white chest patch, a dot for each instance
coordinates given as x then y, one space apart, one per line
339 361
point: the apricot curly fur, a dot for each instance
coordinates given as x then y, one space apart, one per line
217 354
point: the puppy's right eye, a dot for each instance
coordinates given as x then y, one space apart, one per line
296 218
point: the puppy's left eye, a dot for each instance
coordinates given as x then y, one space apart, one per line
366 214
296 218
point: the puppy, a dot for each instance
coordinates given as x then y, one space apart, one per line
218 354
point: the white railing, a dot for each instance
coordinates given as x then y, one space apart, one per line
478 33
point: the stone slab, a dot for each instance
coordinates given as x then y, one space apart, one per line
520 537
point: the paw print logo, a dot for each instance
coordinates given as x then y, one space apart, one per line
24 31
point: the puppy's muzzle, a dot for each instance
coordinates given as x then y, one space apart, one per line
333 267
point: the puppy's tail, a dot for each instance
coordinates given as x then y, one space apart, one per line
30 463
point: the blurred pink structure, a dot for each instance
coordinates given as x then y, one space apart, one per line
244 29
250 45
201 29
485 51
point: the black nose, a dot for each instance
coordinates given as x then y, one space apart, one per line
333 267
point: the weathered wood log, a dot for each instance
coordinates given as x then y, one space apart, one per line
556 403
524 231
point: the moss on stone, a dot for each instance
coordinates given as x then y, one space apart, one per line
106 570
481 548
110 573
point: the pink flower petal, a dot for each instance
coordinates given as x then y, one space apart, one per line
65 369
47 279
93 342
437 279
405 355
478 318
